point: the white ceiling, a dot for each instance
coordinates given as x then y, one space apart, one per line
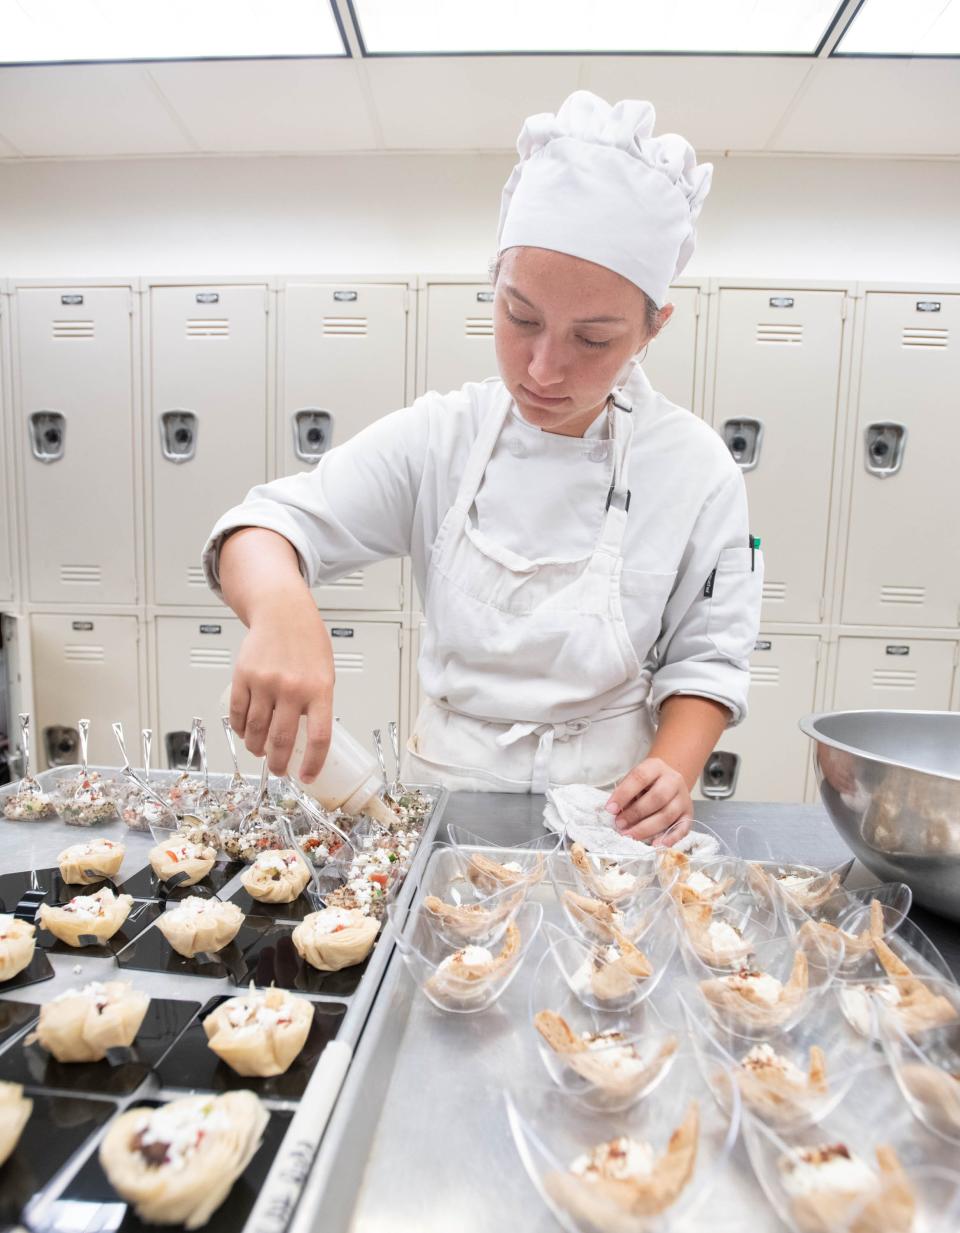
751 105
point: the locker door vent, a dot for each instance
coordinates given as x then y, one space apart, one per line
764 674
352 582
775 592
209 657
80 654
894 678
348 661
903 595
479 327
345 327
779 332
915 337
73 329
208 327
87 575
195 576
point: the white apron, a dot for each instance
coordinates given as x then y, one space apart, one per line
546 646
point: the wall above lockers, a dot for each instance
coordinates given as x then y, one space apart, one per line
830 218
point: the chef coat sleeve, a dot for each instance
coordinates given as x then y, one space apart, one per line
711 619
356 506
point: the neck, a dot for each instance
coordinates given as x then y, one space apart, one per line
578 427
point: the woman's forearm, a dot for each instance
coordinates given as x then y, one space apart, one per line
688 730
260 572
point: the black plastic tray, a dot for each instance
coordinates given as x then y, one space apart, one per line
39 968
145 884
121 1075
152 952
14 1016
13 886
89 1202
191 1064
296 911
57 1128
143 913
273 960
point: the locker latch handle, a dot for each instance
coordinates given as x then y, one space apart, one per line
61 744
48 435
312 433
743 439
178 435
718 782
885 444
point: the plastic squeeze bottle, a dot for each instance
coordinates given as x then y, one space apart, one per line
349 779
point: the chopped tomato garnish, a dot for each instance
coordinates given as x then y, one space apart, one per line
379 877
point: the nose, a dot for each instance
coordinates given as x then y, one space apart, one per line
546 366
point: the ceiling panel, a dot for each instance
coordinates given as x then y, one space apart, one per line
465 102
269 105
877 107
717 103
78 109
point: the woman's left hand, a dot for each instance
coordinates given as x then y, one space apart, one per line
651 799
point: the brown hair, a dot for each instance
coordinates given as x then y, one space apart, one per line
651 314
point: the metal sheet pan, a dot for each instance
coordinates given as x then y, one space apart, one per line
33 845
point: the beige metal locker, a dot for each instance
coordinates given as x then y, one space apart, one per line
16 687
459 343
775 404
195 659
209 399
75 424
903 543
83 667
344 352
767 757
7 498
670 362
893 673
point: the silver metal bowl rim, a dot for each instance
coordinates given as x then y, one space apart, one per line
807 726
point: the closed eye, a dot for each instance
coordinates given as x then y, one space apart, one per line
586 341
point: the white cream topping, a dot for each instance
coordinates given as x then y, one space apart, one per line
472 960
193 907
93 847
254 1013
613 1051
514 866
621 1159
724 938
332 919
89 905
700 882
273 860
855 1000
767 988
765 1057
820 1170
181 1129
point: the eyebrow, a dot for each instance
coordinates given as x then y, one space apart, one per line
583 321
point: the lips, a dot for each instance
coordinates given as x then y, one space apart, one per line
538 398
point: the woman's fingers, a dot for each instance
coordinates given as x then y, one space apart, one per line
239 704
632 784
674 833
259 717
283 733
319 728
652 824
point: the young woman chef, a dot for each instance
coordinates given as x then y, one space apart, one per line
580 543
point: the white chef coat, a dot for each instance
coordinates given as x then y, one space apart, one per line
686 555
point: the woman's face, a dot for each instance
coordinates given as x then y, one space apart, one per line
563 328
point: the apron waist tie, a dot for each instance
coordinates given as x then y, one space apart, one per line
548 733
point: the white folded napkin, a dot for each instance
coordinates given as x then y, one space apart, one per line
579 810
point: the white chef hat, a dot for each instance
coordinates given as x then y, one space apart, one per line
594 182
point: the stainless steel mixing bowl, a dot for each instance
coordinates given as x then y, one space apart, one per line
891 783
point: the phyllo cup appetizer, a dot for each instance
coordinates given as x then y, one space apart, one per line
86 919
15 1112
335 938
17 944
81 1025
260 1033
605 1060
181 862
520 864
650 1168
196 926
469 978
276 877
176 1164
85 864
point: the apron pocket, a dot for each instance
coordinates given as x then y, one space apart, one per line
735 602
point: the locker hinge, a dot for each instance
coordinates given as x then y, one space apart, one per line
400 637
844 306
696 305
130 304
401 596
406 300
266 301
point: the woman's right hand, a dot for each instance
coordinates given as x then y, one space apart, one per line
285 666
285 670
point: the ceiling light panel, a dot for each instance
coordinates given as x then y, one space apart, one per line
54 31
901 28
424 27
